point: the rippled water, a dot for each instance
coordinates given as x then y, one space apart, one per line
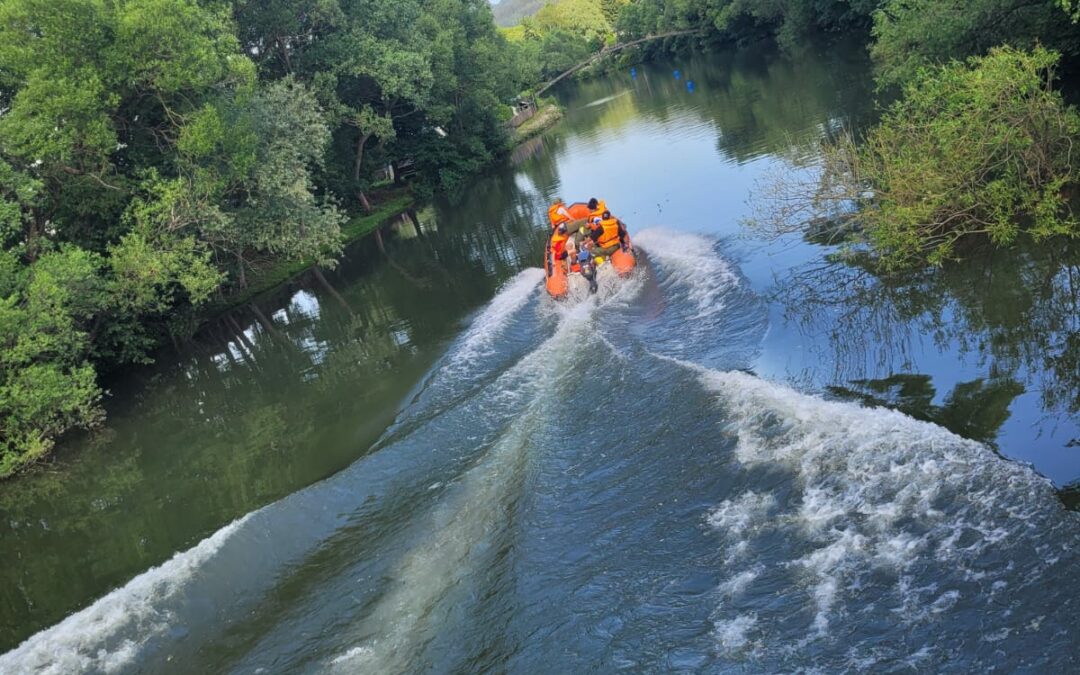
626 481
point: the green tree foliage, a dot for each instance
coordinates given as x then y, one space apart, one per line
789 21
906 34
245 159
562 34
154 151
980 150
910 34
584 18
399 80
510 12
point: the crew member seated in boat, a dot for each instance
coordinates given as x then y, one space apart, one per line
571 248
609 233
585 264
596 208
559 238
579 247
558 213
557 246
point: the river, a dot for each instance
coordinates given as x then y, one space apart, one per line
747 458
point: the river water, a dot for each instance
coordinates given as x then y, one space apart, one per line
746 458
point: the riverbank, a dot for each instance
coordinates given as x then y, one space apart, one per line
261 279
271 276
394 204
547 117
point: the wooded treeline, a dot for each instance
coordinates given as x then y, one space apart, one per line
152 151
902 35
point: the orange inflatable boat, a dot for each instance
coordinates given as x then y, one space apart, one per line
559 278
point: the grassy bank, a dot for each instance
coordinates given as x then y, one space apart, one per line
268 277
544 119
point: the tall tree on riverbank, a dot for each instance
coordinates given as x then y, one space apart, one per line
140 159
910 34
973 151
744 20
395 77
152 150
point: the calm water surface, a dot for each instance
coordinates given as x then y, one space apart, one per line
746 458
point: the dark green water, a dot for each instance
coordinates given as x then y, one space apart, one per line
475 517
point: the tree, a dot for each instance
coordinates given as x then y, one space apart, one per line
975 150
245 181
910 34
137 148
152 151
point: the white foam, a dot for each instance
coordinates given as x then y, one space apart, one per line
451 542
740 582
732 634
690 262
735 516
354 653
130 616
479 338
945 602
870 488
613 291
827 566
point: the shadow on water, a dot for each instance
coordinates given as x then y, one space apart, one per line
974 410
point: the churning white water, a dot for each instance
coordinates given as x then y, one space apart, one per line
572 489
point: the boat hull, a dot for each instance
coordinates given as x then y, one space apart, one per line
558 279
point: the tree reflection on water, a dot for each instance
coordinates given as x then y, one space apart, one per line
1015 313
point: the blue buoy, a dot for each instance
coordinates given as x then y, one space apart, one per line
633 73
690 86
677 74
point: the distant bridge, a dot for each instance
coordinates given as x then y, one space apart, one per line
607 51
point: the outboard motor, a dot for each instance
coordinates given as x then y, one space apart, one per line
588 270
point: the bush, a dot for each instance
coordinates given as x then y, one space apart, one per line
909 34
982 149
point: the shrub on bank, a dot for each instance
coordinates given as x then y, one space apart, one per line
977 149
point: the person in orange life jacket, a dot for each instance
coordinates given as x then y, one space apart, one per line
558 242
557 213
561 233
609 233
596 208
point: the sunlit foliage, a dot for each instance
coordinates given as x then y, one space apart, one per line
981 150
153 151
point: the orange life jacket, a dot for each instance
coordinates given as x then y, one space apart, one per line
557 214
610 235
598 212
558 242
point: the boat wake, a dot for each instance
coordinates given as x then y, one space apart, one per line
598 483
886 521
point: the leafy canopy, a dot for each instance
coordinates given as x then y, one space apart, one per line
976 149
